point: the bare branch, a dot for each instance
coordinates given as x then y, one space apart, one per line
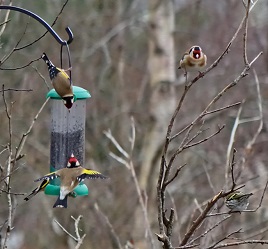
16 90
110 226
253 140
223 108
5 58
109 135
8 178
64 230
210 229
25 135
261 242
201 217
78 238
260 203
205 139
42 77
21 67
5 22
130 166
245 37
226 237
231 142
54 22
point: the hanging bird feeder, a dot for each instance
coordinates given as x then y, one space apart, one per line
67 136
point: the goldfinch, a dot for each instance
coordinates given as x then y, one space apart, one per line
70 177
37 190
193 60
61 82
237 201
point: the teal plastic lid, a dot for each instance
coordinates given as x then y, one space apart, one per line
79 93
81 190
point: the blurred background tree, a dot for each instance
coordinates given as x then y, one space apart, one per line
126 53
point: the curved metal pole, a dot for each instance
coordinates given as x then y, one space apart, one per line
43 22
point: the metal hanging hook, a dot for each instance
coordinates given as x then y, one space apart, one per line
44 23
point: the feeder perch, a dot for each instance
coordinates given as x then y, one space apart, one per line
67 136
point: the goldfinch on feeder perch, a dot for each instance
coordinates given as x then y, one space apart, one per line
70 177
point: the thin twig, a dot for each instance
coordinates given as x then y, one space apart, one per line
110 226
64 230
261 242
21 67
16 90
5 22
76 227
108 134
54 22
223 108
42 77
130 166
253 140
5 58
25 135
8 192
8 179
245 37
231 143
260 203
226 237
210 229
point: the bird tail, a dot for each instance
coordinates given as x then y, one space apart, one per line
47 61
61 203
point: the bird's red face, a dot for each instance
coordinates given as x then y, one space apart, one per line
73 162
197 52
68 102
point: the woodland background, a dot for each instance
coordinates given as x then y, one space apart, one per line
126 53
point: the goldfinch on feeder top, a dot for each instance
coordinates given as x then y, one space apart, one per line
61 82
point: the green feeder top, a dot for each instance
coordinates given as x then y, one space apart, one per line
79 93
80 190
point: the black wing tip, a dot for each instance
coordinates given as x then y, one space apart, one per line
44 56
91 176
104 177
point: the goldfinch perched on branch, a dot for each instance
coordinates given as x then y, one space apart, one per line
193 60
70 178
61 82
237 201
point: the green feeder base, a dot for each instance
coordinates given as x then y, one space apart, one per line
81 190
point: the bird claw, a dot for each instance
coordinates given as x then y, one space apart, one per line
201 75
72 194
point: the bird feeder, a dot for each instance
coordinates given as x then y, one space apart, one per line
67 136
